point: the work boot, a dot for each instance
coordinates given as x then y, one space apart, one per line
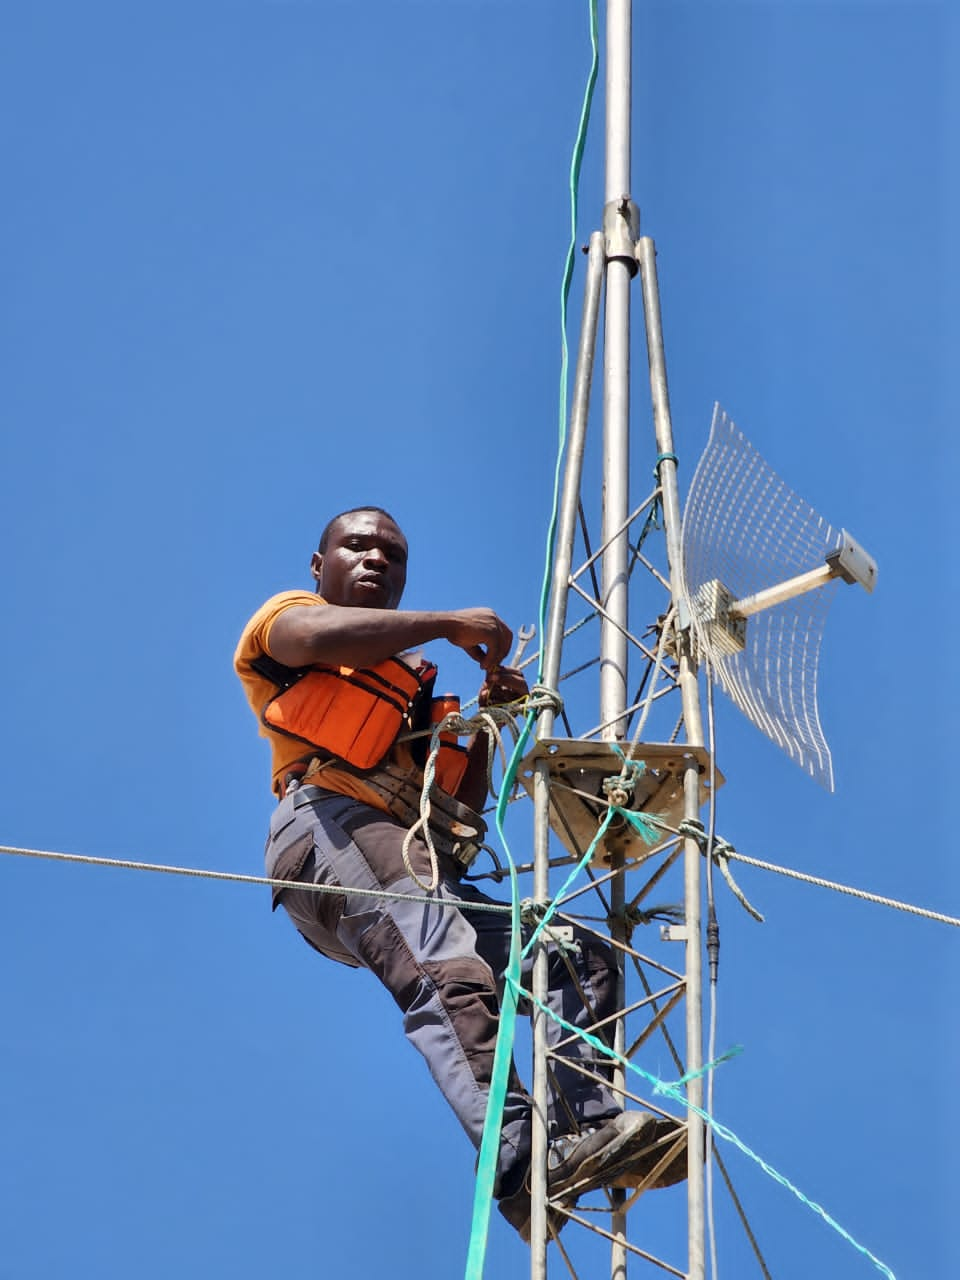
619 1152
629 1144
667 1144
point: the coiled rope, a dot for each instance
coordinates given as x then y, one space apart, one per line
491 721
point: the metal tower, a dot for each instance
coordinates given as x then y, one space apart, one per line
747 547
617 257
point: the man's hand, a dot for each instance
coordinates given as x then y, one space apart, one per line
481 634
502 685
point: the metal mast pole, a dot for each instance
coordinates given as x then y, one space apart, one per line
615 256
620 224
693 730
552 646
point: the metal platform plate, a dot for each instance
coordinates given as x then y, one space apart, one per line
577 802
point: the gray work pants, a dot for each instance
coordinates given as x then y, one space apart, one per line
442 965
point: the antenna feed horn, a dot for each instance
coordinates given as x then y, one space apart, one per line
851 563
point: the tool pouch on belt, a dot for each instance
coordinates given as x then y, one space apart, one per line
457 830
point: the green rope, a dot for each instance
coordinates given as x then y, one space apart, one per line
699 1071
503 1055
552 908
673 1091
514 991
648 834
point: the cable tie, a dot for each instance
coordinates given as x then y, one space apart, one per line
661 458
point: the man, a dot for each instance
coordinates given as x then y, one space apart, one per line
322 674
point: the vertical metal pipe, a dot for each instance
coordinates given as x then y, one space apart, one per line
618 932
552 645
539 1135
619 52
616 466
573 470
693 725
616 499
616 371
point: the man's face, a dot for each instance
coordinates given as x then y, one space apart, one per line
365 562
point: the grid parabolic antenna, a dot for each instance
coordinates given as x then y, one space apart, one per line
745 531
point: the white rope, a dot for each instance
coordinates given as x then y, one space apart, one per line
199 873
727 852
488 721
723 850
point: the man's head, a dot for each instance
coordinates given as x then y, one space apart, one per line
361 559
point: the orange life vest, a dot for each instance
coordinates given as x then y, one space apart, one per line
357 715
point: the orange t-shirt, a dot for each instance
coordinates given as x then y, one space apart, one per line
255 641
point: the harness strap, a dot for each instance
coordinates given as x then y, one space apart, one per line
276 672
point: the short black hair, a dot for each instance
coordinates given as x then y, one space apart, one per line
328 527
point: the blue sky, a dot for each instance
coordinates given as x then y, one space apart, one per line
264 260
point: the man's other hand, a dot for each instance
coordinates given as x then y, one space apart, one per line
502 685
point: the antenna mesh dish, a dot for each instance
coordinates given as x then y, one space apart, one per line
745 529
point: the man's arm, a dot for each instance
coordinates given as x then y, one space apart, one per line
344 635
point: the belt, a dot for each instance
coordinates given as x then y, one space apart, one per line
309 794
457 831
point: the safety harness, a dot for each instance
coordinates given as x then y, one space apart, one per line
357 717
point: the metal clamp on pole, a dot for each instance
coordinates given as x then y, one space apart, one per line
621 230
532 912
